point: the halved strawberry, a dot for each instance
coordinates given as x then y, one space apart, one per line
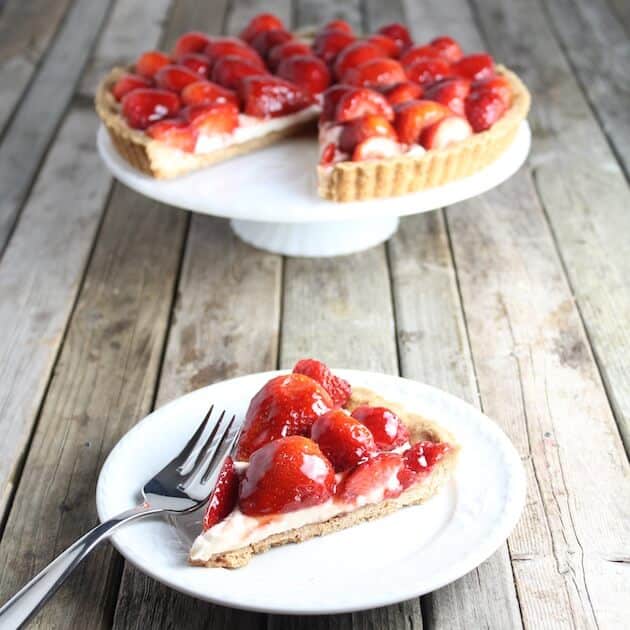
379 474
268 97
286 50
419 52
196 62
175 78
148 63
261 22
286 475
420 459
354 55
328 154
224 496
360 102
445 132
375 148
191 42
215 118
264 41
206 93
175 132
388 430
331 98
223 46
144 106
231 70
338 388
497 84
402 92
360 129
398 33
451 92
128 82
387 46
338 25
412 117
328 44
307 71
427 70
448 47
483 109
475 67
379 72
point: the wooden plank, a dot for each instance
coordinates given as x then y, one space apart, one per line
36 120
104 382
39 280
598 49
621 9
26 29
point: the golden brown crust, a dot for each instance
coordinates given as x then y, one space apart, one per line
420 429
357 181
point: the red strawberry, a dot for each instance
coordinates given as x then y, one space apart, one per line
338 389
328 44
388 430
445 132
377 475
379 72
128 82
387 46
143 106
192 42
213 119
328 154
196 62
223 46
354 55
497 84
175 78
419 52
268 97
286 405
420 459
307 71
342 439
412 117
360 102
398 33
360 129
264 41
224 496
284 51
483 109
231 70
286 475
402 92
338 25
175 132
375 148
261 22
206 93
475 67
150 62
448 47
451 92
428 70
331 98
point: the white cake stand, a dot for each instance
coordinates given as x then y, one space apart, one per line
270 197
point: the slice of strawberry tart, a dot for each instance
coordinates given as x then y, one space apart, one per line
315 456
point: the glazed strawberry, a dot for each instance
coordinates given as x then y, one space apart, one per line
286 405
483 109
328 154
150 62
286 50
451 92
224 497
264 41
331 98
261 22
286 475
420 459
378 474
175 78
419 52
342 439
338 25
375 148
475 67
223 46
412 117
215 118
144 106
398 33
360 102
128 82
231 70
307 71
387 46
402 92
354 55
427 70
448 47
192 42
497 84
206 93
388 430
356 131
338 389
196 62
445 132
379 72
175 132
328 44
268 97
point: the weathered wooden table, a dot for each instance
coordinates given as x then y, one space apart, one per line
518 301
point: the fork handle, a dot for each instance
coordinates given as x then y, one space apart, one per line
26 602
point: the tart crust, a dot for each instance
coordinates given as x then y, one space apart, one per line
420 429
356 181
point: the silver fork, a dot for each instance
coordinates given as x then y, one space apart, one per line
181 486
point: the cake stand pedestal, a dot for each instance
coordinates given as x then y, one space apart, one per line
271 197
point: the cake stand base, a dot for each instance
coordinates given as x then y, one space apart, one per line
335 238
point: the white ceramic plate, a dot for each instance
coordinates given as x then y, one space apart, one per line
406 554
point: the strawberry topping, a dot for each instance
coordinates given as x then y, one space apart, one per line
379 474
475 67
192 42
215 118
150 62
328 44
426 70
419 52
231 70
420 459
128 82
413 116
375 148
496 84
264 41
224 496
196 62
261 22
451 92
175 132
398 33
175 78
338 25
361 102
224 46
387 46
483 109
284 51
445 132
360 129
206 93
402 92
307 71
448 47
354 55
144 106
377 72
388 430
268 97
338 389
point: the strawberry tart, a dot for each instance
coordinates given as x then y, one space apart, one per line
315 456
393 116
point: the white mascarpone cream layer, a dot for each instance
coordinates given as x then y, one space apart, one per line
250 128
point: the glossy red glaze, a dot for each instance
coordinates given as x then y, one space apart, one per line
338 389
144 106
413 116
224 497
307 71
388 430
376 472
128 82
